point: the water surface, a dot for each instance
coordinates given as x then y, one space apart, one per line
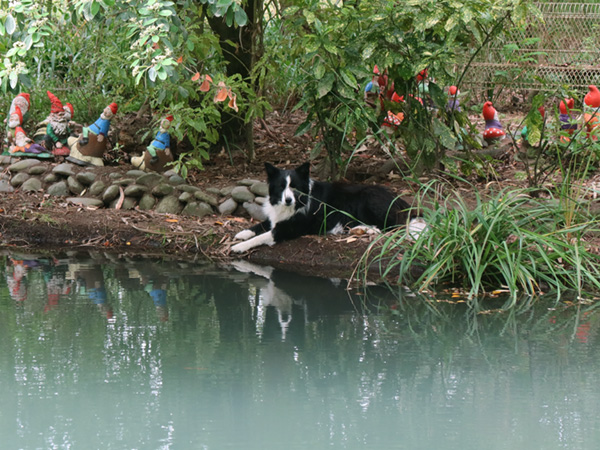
101 352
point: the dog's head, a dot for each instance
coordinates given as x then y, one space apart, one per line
289 188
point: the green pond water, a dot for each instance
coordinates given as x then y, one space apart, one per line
104 352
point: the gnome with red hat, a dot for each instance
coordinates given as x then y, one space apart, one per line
591 110
158 153
24 146
57 131
493 128
92 144
453 101
17 114
567 121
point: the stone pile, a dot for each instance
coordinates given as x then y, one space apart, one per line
163 193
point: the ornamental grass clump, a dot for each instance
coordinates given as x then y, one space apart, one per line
509 242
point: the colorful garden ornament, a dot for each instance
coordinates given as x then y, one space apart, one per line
17 115
591 111
568 123
158 154
24 146
56 133
453 100
89 148
494 131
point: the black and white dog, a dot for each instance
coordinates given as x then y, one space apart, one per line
299 206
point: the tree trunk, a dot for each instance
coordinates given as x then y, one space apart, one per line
241 48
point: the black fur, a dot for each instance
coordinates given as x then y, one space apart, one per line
316 207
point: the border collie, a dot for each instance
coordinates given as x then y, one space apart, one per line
299 206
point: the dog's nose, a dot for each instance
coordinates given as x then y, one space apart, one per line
288 200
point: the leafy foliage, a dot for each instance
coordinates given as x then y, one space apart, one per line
495 246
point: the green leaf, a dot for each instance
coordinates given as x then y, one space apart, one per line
303 128
94 8
348 78
325 85
162 74
13 79
241 18
10 24
165 12
152 74
319 70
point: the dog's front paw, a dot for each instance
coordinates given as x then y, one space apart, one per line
240 248
245 235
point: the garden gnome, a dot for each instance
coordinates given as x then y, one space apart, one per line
493 129
91 145
57 130
453 101
591 110
566 119
158 153
15 119
24 146
17 114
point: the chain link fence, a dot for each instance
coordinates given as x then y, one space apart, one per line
563 48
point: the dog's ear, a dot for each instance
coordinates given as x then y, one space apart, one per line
304 170
271 170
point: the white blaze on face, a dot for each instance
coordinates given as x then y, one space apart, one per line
287 197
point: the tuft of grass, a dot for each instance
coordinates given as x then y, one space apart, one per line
511 242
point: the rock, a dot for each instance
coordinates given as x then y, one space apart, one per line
247 182
19 179
5 187
97 188
32 185
242 194
255 211
147 202
37 170
64 169
260 189
86 201
228 207
128 203
148 179
185 197
226 191
169 205
111 193
213 190
23 165
135 190
176 180
135 173
86 177
59 189
188 188
75 186
50 178
206 198
162 190
114 175
124 182
6 159
260 200
170 173
197 209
